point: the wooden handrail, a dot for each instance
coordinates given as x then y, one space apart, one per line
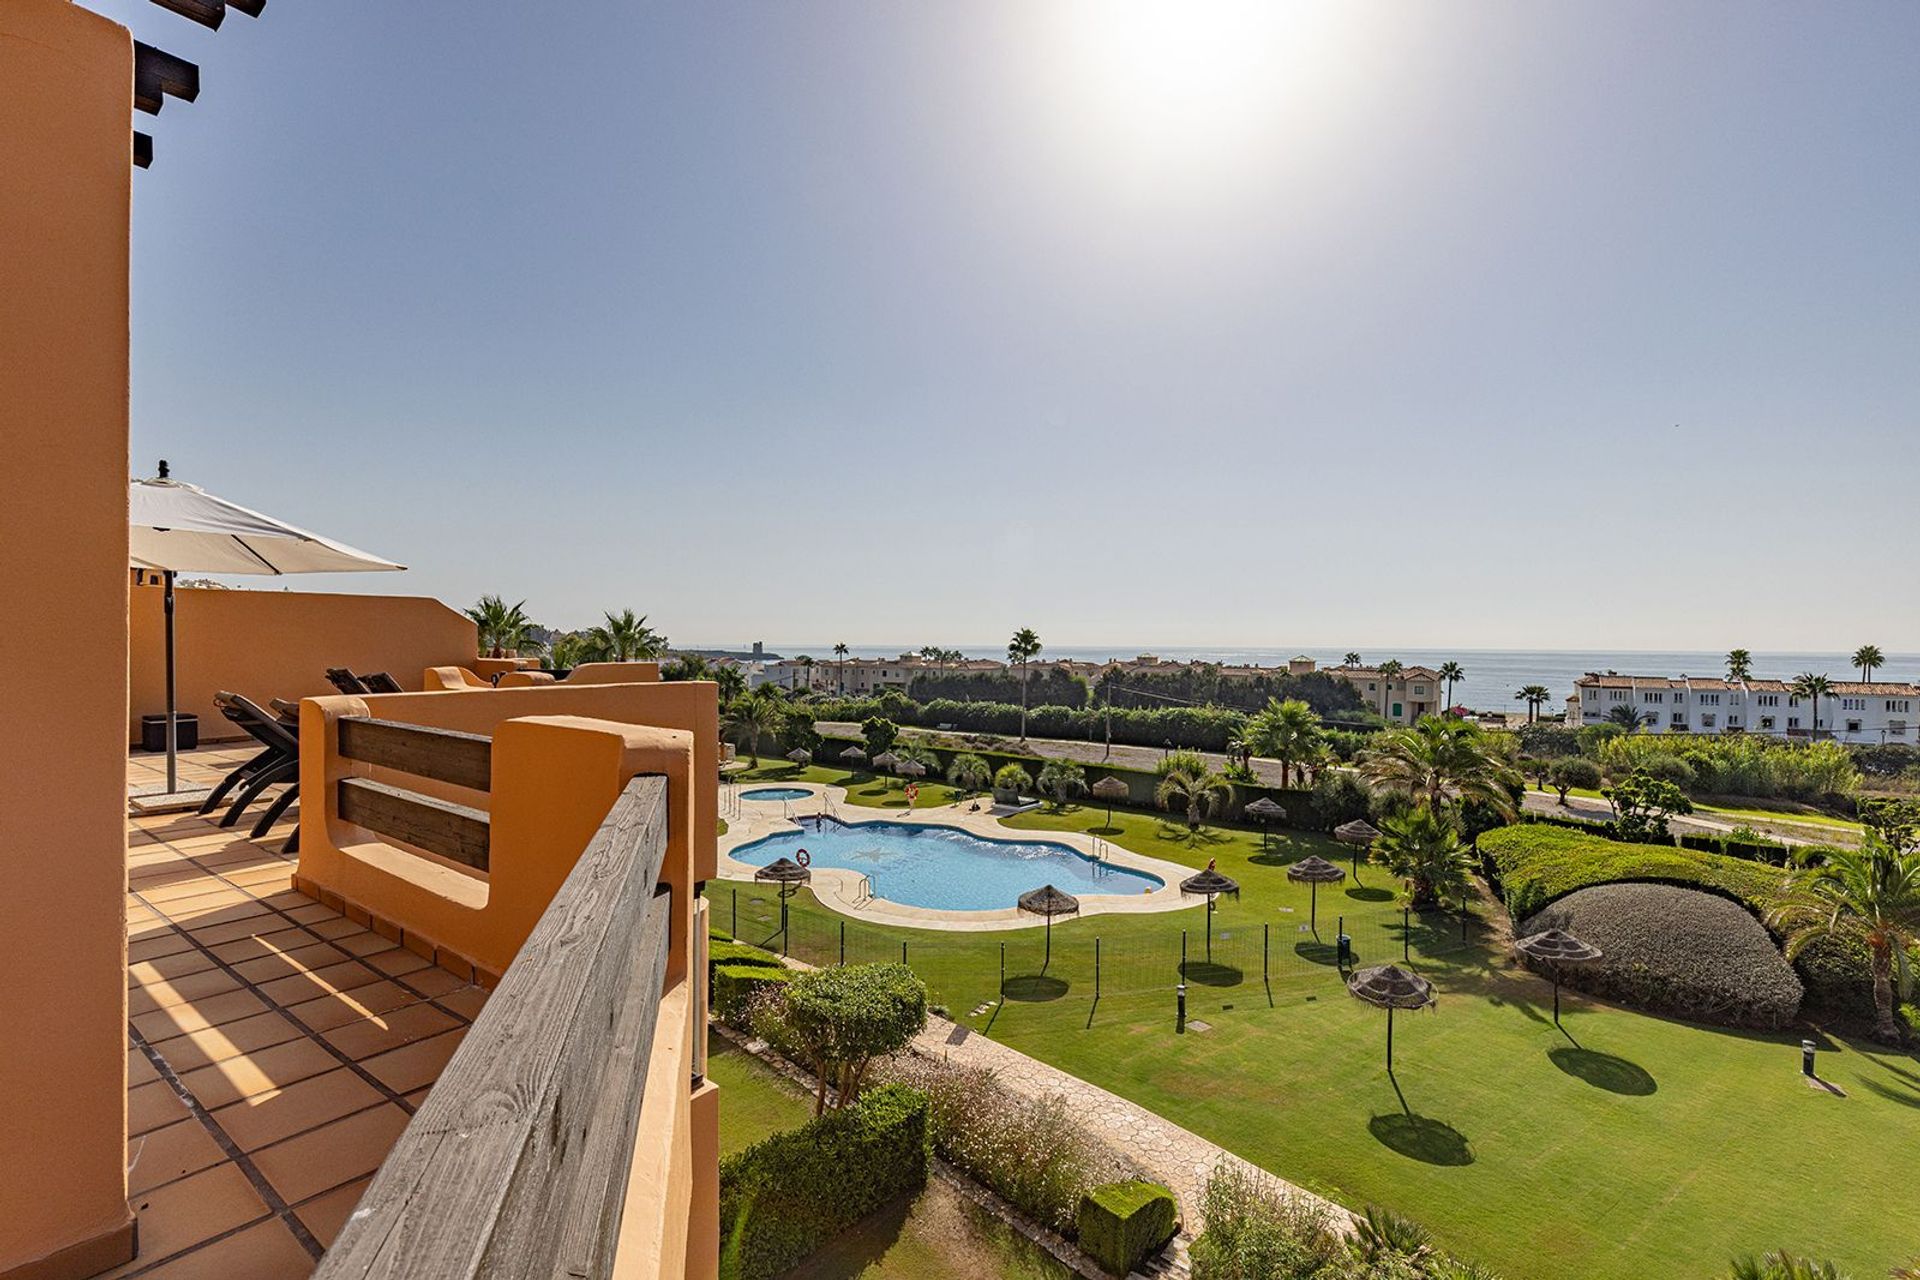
445 755
438 826
517 1162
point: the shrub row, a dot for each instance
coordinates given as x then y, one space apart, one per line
1201 728
1538 862
736 985
1046 687
1736 764
787 1195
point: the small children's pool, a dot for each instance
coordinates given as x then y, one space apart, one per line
776 793
945 868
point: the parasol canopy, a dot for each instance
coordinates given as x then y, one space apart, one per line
1388 986
802 756
1558 947
1315 870
1049 901
1208 883
911 769
1264 810
783 872
1359 831
885 760
1111 788
853 753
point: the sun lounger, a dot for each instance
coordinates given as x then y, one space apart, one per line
279 762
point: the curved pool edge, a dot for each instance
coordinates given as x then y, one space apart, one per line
836 887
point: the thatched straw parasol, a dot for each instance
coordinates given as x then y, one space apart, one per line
801 756
853 755
1556 947
1360 834
1315 871
1264 811
910 769
885 760
1211 884
1049 902
1390 987
1110 789
789 876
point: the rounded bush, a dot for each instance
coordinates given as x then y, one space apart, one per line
1676 951
1671 769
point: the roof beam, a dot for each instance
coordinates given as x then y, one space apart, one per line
142 150
158 75
208 13
251 8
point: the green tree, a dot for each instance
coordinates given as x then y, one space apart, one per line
1781 1265
1626 716
1869 659
1021 651
1288 732
731 682
1351 660
1569 772
1813 688
1197 789
1535 696
750 719
502 628
969 772
1010 782
1389 670
1063 781
1452 673
1869 895
688 666
1739 664
1642 804
571 648
842 1018
1422 847
1441 759
625 637
840 656
880 733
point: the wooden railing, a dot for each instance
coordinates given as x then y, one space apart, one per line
517 1163
455 831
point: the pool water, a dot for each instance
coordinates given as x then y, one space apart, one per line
776 793
945 868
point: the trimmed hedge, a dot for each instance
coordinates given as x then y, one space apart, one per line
785 1196
1537 863
725 951
734 986
1122 1224
1677 951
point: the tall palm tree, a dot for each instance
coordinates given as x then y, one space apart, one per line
1422 847
1869 659
1739 664
570 649
1198 790
750 719
1388 670
1781 1265
1869 895
1021 650
502 628
731 683
625 637
1451 672
1535 696
1351 660
1628 716
1288 732
806 667
1814 688
840 652
1440 758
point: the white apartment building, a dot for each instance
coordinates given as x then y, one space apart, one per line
1855 712
864 677
1411 693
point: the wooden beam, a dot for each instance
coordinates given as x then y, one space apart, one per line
158 75
142 150
251 8
208 13
445 755
438 826
517 1162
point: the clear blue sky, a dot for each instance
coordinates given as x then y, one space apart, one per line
1497 325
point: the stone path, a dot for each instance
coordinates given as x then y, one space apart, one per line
1175 1157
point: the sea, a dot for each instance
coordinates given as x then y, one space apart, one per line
1493 676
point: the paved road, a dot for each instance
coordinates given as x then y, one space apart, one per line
1547 803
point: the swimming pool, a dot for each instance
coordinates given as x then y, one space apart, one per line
776 793
944 867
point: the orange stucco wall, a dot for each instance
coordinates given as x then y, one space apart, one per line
66 101
279 644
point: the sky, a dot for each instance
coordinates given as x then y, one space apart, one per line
1493 325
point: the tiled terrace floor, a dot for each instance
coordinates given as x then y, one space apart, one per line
275 1048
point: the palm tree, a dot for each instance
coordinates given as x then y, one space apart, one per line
1781 1265
1869 895
1451 672
806 667
626 638
1063 781
732 684
1197 789
502 628
840 652
750 719
1739 664
1535 696
1021 650
570 649
1869 659
1422 847
1440 758
1628 716
1388 670
1285 731
1813 687
1351 660
969 772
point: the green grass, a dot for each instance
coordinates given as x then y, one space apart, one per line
863 788
1649 1147
755 1101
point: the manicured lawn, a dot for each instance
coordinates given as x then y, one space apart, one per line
1628 1146
755 1102
862 788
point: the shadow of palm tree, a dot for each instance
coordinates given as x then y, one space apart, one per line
1905 1097
1317 952
1604 1071
1035 988
1422 1138
1208 974
1368 893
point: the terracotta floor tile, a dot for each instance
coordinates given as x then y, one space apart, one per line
308 1104
139 1068
235 930
356 1005
216 1044
195 1208
365 942
175 965
254 946
186 889
264 1252
419 1096
415 1065
337 1153
214 1011
153 1106
337 927
467 1001
327 1212
172 1152
389 1031
310 912
263 879
298 987
169 942
162 993
258 1072
305 958
199 915
149 929
434 982
398 962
